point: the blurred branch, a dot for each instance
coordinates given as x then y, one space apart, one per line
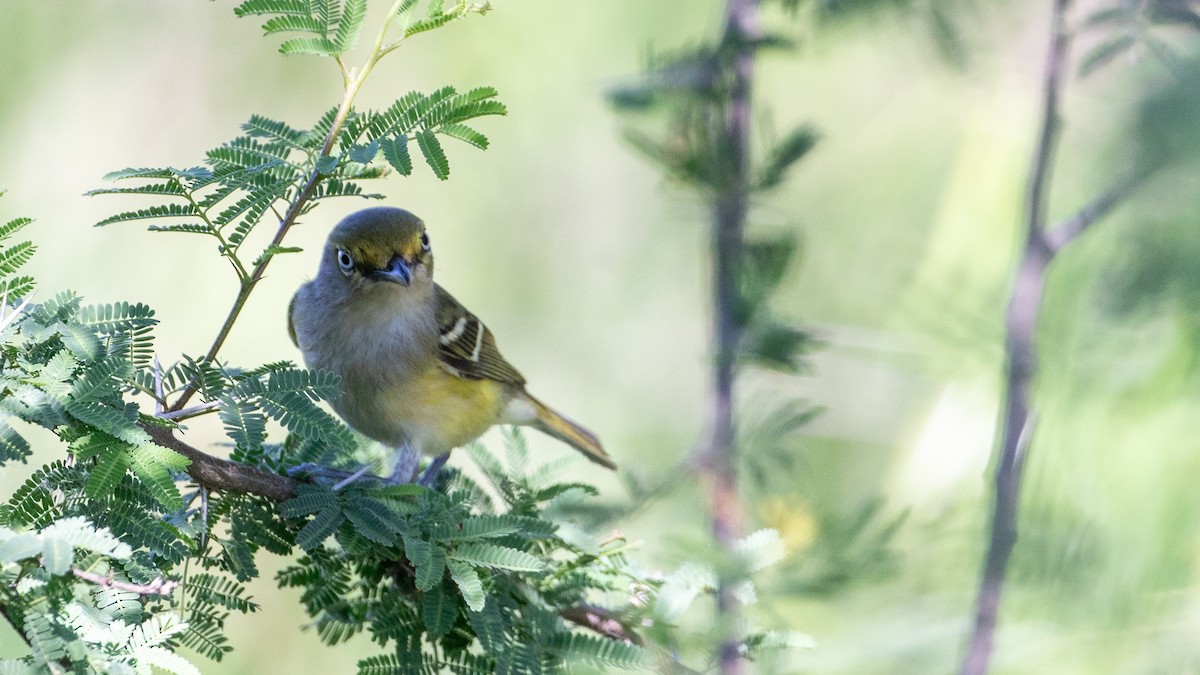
1066 231
729 223
1018 422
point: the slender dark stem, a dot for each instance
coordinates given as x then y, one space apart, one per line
295 208
1018 421
1065 232
729 221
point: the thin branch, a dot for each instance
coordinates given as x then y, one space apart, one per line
159 586
296 207
193 411
729 221
1065 232
1018 422
602 621
222 474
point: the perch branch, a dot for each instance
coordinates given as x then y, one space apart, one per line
222 474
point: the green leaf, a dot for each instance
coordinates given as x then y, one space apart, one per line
154 212
372 519
395 151
1104 53
597 651
317 530
350 24
57 555
464 133
326 164
171 188
438 611
496 557
479 527
82 342
783 155
79 532
314 46
363 154
13 226
244 423
428 24
13 257
295 23
109 471
431 148
428 561
20 547
469 584
263 127
109 420
155 466
760 549
250 7
13 447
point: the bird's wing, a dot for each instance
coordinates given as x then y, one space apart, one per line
466 346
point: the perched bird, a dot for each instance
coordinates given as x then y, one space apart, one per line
417 368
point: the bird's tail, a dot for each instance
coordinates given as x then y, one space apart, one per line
550 422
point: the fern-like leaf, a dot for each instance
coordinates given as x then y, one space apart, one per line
496 557
469 583
152 213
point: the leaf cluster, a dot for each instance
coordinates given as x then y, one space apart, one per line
71 624
692 93
472 579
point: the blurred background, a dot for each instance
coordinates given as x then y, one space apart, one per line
591 269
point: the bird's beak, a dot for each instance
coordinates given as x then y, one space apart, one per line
397 271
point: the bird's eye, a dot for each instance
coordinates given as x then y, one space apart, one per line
345 262
425 241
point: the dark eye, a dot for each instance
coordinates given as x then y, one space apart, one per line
425 241
345 262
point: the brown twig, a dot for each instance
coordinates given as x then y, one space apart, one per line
159 586
222 474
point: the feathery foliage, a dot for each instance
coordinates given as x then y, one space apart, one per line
115 556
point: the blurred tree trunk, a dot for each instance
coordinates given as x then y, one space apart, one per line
729 224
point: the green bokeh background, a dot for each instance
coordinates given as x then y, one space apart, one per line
591 269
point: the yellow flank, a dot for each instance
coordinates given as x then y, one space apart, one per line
441 411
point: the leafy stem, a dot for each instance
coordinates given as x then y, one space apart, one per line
353 84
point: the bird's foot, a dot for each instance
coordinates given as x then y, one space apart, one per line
316 473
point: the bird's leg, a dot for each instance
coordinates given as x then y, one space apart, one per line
351 478
407 459
431 472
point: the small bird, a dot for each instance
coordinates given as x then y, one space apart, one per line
417 368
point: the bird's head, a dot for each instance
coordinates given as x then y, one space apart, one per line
377 247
